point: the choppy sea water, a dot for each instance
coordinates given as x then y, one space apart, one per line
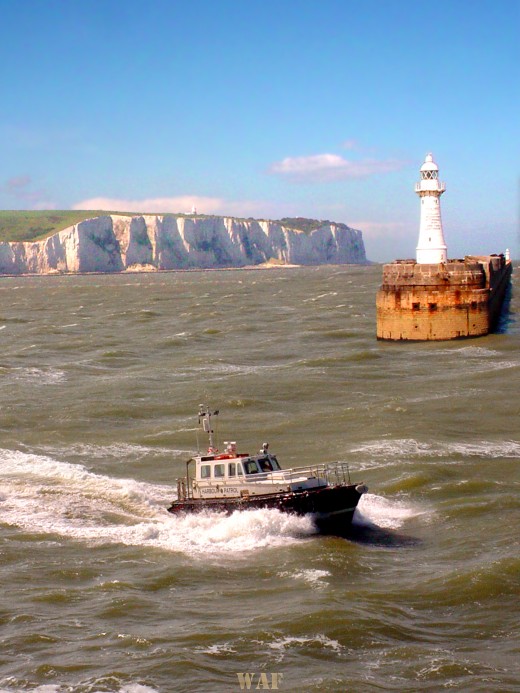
103 590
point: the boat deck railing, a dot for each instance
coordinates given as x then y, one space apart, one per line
333 473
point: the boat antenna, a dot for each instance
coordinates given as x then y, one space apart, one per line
205 415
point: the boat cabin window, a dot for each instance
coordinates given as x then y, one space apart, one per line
232 469
274 463
219 470
265 465
268 464
205 471
240 471
250 467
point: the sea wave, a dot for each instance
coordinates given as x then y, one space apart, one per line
66 688
312 576
289 645
409 448
37 376
378 511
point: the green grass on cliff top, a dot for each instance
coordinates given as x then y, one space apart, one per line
21 225
33 226
30 225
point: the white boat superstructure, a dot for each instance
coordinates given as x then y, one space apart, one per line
236 475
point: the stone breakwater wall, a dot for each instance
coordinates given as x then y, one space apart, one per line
115 243
461 298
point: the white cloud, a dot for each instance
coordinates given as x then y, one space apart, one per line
180 204
154 205
321 168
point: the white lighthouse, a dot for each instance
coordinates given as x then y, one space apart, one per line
431 248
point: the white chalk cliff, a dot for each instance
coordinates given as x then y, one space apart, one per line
116 243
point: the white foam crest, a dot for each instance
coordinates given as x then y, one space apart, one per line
312 576
46 688
214 533
124 451
43 496
19 464
66 688
475 351
317 298
39 376
373 510
486 366
223 648
391 448
478 359
504 448
410 448
282 645
221 370
28 467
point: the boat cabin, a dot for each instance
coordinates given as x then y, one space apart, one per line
230 466
240 475
233 474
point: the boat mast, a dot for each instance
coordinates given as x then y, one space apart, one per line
205 416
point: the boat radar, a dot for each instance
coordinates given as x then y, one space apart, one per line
431 248
205 416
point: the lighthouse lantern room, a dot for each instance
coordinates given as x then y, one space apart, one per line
431 247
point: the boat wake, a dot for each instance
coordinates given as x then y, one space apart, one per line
44 496
55 499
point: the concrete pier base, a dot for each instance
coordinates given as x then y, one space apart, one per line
456 299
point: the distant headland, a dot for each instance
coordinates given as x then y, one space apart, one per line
60 242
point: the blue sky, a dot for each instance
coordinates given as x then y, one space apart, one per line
264 108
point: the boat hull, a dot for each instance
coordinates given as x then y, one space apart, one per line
331 507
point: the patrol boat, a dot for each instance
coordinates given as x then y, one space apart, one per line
232 481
